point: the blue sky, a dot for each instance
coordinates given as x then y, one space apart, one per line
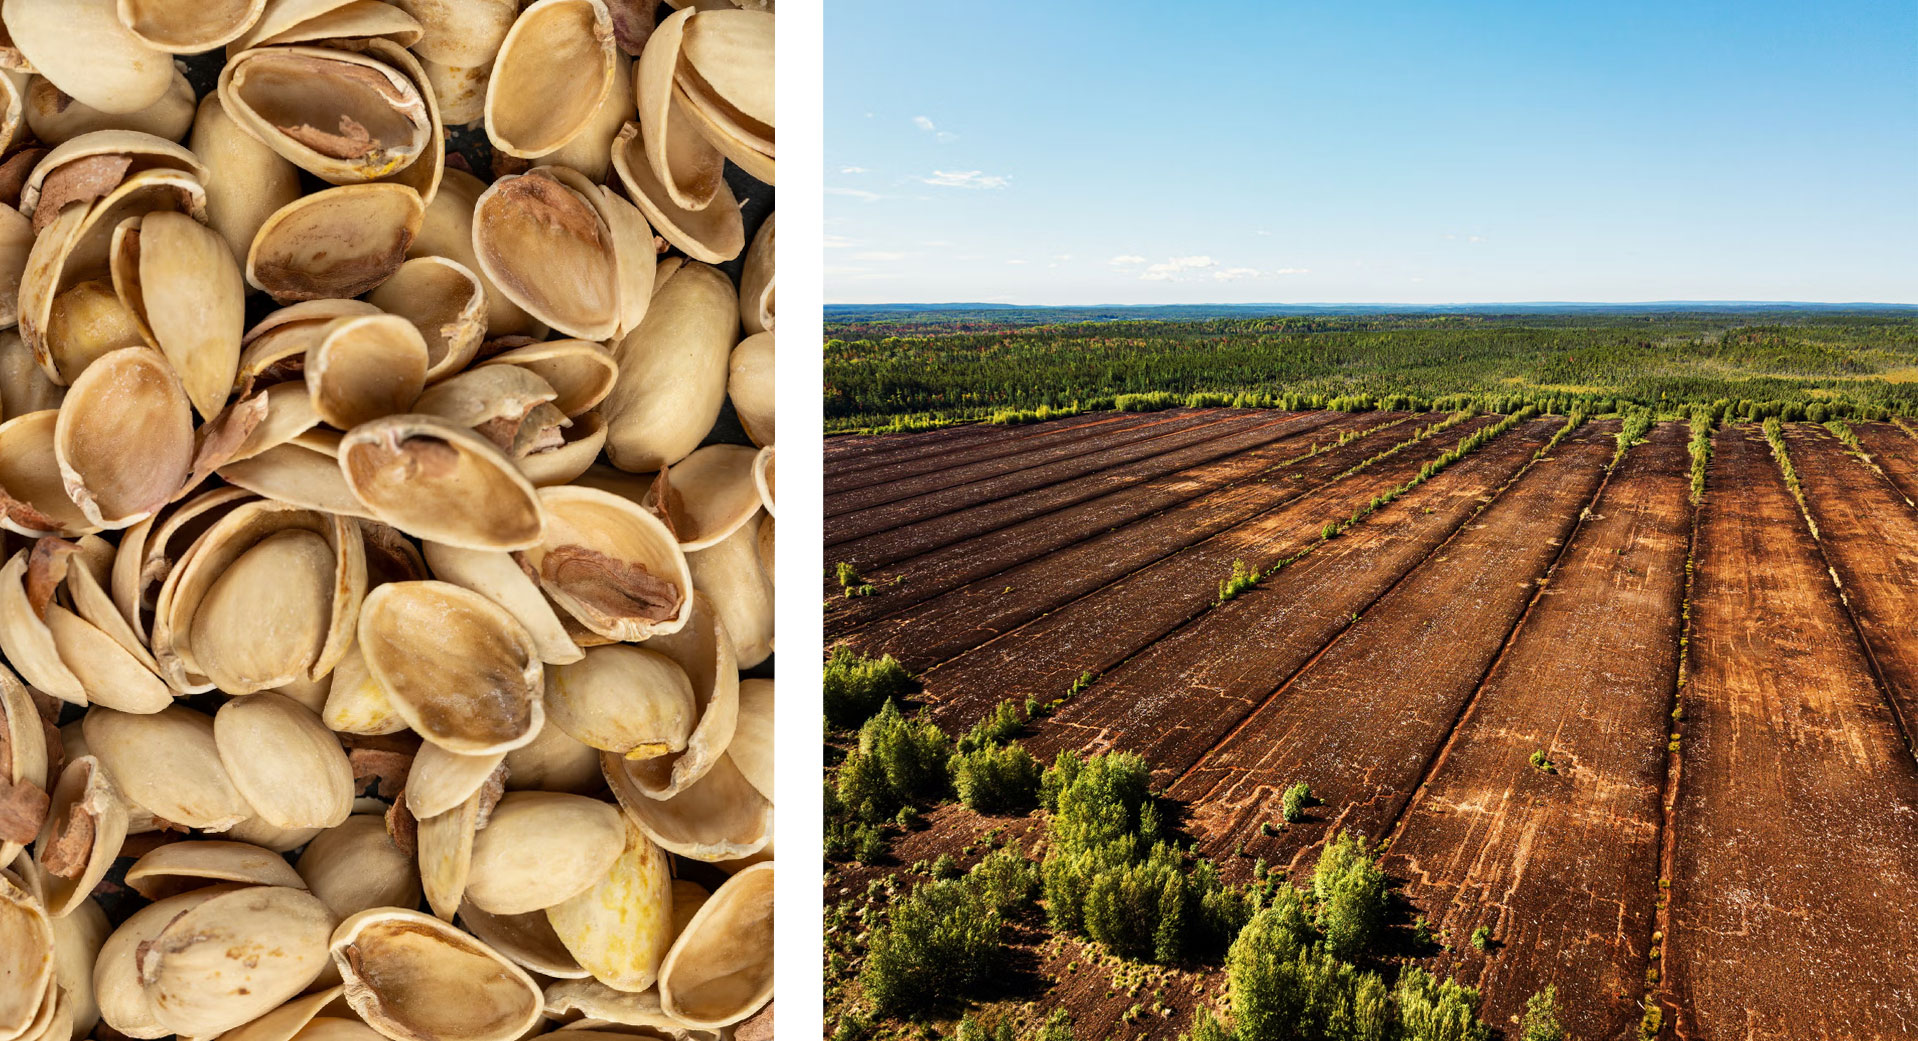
1069 152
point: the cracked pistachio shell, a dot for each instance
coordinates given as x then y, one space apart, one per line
12 100
756 283
750 383
149 551
495 576
459 89
36 502
495 397
84 48
246 181
580 372
446 302
142 151
340 242
730 573
365 368
720 970
180 867
189 27
85 809
266 836
274 350
360 22
184 289
613 1014
623 699
590 150
719 817
705 652
297 476
446 855
55 117
167 763
343 116
234 958
16 244
555 761
527 939
26 958
440 780
714 233
672 371
24 387
763 480
440 482
447 231
580 445
547 248
124 437
726 60
460 32
268 595
620 929
26 742
415 978
752 746
289 1020
457 667
554 68
116 976
686 169
77 939
284 761
710 494
356 866
540 848
611 564
356 704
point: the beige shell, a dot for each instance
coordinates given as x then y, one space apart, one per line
554 68
168 763
340 242
343 116
457 667
724 134
590 151
355 703
438 481
266 836
580 446
27 745
284 761
688 170
12 98
720 970
448 232
234 958
611 564
620 929
178 867
77 939
358 22
36 501
124 438
289 1020
729 572
459 89
710 494
82 46
274 350
356 866
628 700
705 652
555 761
495 400
672 371
24 387
117 987
142 152
714 234
763 480
415 978
56 117
460 32
580 372
750 382
527 938
246 181
718 817
446 301
440 780
446 855
84 810
497 577
148 551
727 59
756 283
540 848
547 248
612 1014
184 288
189 28
297 476
365 368
752 745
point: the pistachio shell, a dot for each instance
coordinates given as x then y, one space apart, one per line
297 476
179 279
168 763
274 350
763 480
718 817
446 302
611 564
580 372
724 133
459 89
234 958
553 69
688 170
36 501
365 368
356 704
24 387
124 437
460 32
189 28
26 742
55 117
448 232
555 761
590 151
547 248
492 399
446 855
540 848
563 463
730 574
456 666
494 575
178 867
280 840
122 999
85 825
710 494
612 1014
752 745
720 970
434 480
527 939
620 929
246 181
140 149
714 233
672 371
343 116
339 242
705 652
338 21
288 1021
289 767
82 46
730 55
624 699
415 978
77 939
750 382
355 866
440 780
756 283
16 243
86 322
149 550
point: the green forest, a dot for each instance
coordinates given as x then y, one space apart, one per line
907 369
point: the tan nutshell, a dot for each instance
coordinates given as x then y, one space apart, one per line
546 247
86 823
84 48
26 959
365 368
56 117
756 283
720 970
189 28
750 382
284 761
447 231
528 939
343 116
540 848
339 242
457 667
704 650
167 762
179 867
247 182
708 495
439 481
730 573
233 958
623 699
182 285
619 930
446 301
552 71
117 986
415 978
610 564
356 866
124 439
672 371
752 747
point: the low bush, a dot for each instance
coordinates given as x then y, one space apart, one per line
856 686
995 778
899 762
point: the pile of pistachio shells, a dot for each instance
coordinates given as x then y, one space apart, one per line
385 541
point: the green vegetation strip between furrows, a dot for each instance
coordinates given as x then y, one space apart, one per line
1775 436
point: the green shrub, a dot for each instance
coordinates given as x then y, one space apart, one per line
1057 1027
1296 799
1541 1018
1434 1010
1002 724
940 942
1351 891
1006 880
995 778
856 686
898 762
1541 763
1482 937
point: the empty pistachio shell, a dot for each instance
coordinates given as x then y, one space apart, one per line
611 564
718 817
297 476
117 987
590 150
24 387
290 768
289 1020
527 939
619 930
343 116
752 746
624 699
611 1014
446 853
359 22
234 958
149 550
459 89
553 69
446 302
56 117
61 175
460 32
340 242
356 866
580 372
540 848
495 575
710 494
756 283
436 480
687 169
720 970
546 247
280 840
86 823
705 652
729 572
181 283
415 978
447 231
458 668
365 368
181 866
355 703
84 48
555 761
763 480
26 743
750 382
440 780
714 233
26 958
77 939
35 499
168 763
124 438
672 371
189 28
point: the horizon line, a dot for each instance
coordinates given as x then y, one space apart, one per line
1390 303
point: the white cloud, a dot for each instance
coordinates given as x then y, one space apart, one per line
1233 274
942 137
855 193
1176 269
854 170
1293 271
965 179
922 123
1125 260
1062 256
880 255
839 242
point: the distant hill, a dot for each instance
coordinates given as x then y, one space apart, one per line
1015 314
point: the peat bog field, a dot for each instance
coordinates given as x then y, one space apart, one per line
1629 705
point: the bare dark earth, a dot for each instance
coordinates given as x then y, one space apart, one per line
846 455
1896 453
